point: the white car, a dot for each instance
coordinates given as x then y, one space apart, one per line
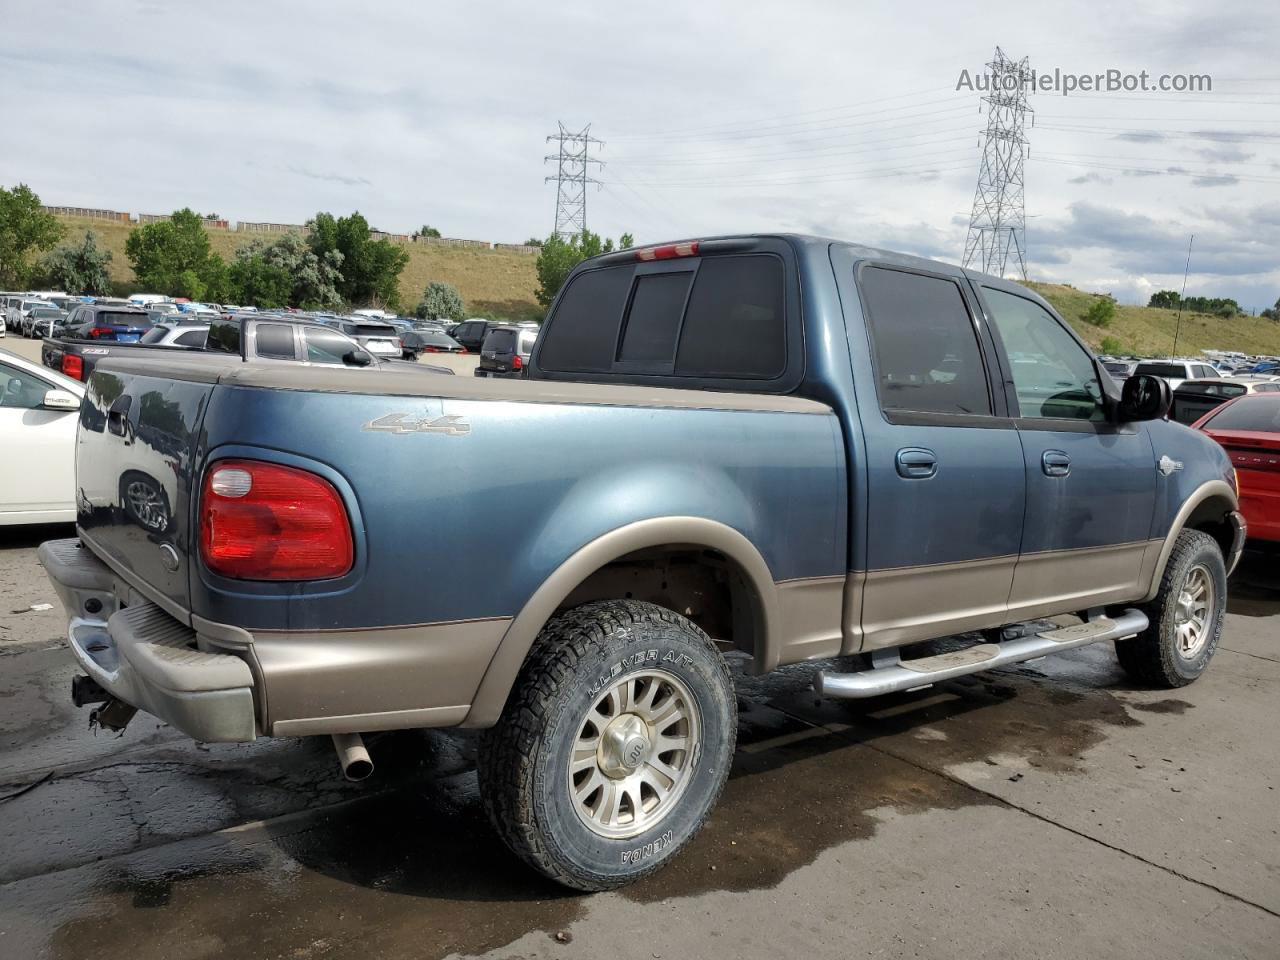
38 415
1177 371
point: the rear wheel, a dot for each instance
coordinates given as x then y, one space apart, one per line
1185 616
614 744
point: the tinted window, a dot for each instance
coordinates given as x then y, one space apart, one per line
1052 374
583 332
734 326
326 346
123 319
154 335
375 330
192 338
1175 370
275 340
926 349
500 341
1205 371
649 336
1248 413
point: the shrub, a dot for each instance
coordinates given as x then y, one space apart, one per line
440 300
1101 313
1112 346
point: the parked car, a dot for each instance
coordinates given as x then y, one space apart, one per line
437 341
701 460
41 321
471 333
1120 370
182 333
1176 371
506 351
108 322
1194 398
38 413
19 314
380 339
1248 428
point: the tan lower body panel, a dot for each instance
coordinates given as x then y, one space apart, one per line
907 604
379 679
809 614
1064 581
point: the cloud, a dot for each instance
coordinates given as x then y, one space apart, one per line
1215 180
1225 154
332 177
1089 178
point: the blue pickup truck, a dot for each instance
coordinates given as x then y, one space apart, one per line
775 448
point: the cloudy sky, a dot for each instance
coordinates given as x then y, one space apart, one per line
717 116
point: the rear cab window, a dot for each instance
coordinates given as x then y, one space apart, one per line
1175 370
724 321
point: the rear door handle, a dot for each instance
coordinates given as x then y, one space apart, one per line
917 463
1055 463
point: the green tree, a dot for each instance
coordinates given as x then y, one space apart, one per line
533 242
428 231
440 300
1164 298
1101 313
1273 313
626 242
559 256
370 268
252 281
174 257
79 268
26 228
313 279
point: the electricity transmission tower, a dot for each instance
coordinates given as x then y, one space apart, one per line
572 176
998 223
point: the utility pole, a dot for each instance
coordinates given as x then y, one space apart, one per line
998 222
573 161
1177 327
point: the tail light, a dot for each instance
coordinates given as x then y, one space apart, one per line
462 349
97 332
431 350
516 362
73 366
262 521
668 251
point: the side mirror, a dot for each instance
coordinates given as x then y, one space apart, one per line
60 400
1144 397
357 358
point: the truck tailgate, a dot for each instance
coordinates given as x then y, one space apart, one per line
134 455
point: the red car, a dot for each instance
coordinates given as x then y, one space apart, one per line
1248 428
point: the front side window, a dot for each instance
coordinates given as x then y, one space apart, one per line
326 346
1053 375
925 345
21 390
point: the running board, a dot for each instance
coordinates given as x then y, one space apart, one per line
910 674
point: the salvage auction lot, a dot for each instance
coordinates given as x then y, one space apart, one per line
1049 810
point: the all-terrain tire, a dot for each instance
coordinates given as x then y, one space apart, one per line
524 764
1155 656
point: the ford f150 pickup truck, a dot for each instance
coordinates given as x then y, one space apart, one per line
781 448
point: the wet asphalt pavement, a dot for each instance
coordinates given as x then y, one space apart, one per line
1048 810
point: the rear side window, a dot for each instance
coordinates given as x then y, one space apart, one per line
275 340
154 335
192 338
925 345
1260 414
584 333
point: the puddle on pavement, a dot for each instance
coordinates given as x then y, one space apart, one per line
418 872
1175 707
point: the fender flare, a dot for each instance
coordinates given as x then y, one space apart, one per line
1210 490
514 647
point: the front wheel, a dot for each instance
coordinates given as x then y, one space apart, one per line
614 744
1185 616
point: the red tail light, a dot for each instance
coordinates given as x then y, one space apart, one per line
462 349
73 366
669 251
516 362
262 521
431 350
97 332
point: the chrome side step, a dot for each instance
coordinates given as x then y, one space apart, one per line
901 675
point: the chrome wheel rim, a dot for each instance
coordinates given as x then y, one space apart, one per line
1194 612
634 753
146 505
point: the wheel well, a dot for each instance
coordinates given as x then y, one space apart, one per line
1211 517
704 585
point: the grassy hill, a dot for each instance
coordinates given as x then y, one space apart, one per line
500 284
1148 331
495 283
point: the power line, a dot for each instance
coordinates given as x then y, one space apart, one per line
998 222
572 176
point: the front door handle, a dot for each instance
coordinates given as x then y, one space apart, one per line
1055 463
917 463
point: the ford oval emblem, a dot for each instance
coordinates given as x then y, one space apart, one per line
169 557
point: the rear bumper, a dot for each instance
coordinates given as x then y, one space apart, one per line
142 656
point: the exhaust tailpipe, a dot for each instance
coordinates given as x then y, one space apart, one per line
352 756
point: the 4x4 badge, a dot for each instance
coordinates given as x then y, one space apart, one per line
1167 465
451 425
